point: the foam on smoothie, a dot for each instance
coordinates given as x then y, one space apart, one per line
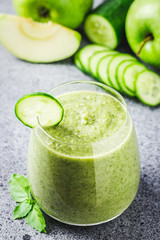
89 117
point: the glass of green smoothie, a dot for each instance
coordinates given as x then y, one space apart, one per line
85 170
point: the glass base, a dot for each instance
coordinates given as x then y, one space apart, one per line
83 225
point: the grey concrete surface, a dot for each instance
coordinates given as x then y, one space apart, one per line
141 221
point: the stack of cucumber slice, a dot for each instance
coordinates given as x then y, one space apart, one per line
121 71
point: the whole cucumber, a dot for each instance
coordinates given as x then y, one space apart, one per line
106 24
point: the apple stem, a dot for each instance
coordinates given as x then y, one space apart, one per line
150 37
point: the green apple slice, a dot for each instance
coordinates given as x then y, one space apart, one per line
37 42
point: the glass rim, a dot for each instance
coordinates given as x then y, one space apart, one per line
105 87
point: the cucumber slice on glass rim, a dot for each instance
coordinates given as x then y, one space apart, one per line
148 88
39 107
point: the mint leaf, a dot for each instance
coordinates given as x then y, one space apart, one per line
19 188
35 219
23 209
20 192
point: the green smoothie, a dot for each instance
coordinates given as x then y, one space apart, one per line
86 169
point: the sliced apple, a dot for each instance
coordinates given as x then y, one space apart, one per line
37 42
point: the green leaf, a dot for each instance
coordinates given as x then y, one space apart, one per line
19 188
35 219
23 209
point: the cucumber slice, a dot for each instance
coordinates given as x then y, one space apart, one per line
112 67
130 74
94 60
102 72
77 62
148 88
119 73
40 106
86 52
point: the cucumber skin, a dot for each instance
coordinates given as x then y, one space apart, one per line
76 59
115 12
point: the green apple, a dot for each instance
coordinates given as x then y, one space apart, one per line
69 13
37 42
143 30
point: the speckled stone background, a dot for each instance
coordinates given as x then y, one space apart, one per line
141 221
